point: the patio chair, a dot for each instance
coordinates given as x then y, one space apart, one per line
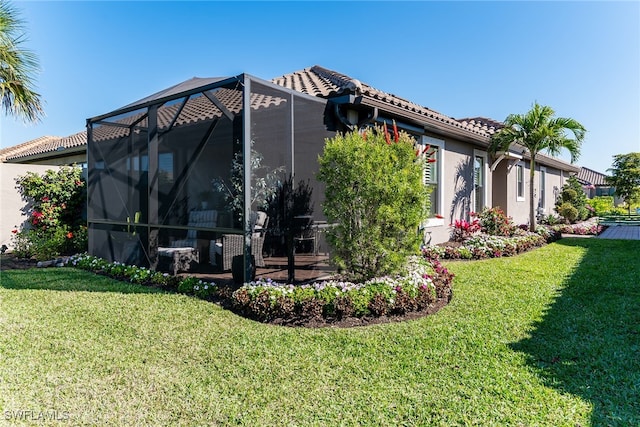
185 251
232 245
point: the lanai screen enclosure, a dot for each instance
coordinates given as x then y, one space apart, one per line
216 147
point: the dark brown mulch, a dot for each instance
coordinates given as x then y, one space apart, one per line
10 262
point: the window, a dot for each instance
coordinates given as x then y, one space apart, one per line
433 173
520 183
479 180
543 185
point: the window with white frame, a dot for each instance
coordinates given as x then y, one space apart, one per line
479 180
433 173
543 186
520 182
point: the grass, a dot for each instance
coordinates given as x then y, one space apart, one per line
550 337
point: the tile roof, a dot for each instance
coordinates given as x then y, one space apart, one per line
319 81
197 108
588 176
315 81
44 144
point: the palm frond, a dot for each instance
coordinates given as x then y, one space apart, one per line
17 69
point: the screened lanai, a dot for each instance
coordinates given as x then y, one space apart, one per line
210 176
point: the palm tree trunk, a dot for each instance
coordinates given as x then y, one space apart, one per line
532 211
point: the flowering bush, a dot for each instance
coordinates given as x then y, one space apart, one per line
484 246
265 300
56 226
495 222
580 229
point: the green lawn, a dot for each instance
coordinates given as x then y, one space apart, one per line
549 338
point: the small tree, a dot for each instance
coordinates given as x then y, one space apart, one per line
376 198
625 177
572 201
538 130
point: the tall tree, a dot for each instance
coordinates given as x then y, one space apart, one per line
538 130
17 68
625 177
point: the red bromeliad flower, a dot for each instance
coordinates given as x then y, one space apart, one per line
69 235
14 231
396 135
45 199
386 133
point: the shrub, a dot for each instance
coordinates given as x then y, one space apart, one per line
376 198
602 205
55 203
572 194
495 222
568 212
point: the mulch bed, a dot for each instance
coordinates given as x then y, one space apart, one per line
10 262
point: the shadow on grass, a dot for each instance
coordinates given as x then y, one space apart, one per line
588 343
67 279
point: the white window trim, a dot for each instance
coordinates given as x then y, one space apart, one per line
485 187
524 182
434 142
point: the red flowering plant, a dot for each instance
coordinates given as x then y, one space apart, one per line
463 229
55 202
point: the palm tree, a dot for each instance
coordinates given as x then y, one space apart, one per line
538 130
17 66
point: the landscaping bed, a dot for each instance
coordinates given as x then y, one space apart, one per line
426 287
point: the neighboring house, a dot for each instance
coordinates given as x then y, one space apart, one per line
594 184
155 159
49 150
38 155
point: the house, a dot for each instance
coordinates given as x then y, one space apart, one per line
49 150
594 183
196 146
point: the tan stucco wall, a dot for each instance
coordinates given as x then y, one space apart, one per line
458 187
11 202
505 181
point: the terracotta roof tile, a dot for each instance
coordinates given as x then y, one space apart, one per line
321 82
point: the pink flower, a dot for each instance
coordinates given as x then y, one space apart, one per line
69 235
45 199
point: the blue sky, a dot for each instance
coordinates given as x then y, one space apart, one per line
463 59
